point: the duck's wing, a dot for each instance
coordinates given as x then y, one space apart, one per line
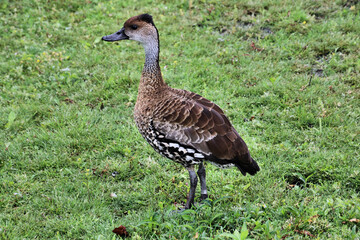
194 121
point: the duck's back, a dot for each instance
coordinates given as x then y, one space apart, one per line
188 129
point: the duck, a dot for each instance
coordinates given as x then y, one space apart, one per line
178 124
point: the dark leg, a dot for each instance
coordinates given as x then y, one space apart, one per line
202 175
193 183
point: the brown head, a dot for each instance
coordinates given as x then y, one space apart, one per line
140 28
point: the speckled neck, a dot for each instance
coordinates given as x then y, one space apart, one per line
151 48
151 78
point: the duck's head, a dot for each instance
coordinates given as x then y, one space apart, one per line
140 28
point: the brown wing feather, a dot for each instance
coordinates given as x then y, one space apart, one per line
195 121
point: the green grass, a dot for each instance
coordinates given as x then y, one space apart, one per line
286 74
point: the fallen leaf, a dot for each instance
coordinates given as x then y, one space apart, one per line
196 235
303 232
211 9
121 231
68 100
254 47
303 88
90 105
354 220
323 114
311 219
284 237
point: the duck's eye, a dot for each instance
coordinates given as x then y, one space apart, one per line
134 27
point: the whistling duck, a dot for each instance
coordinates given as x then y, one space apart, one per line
181 125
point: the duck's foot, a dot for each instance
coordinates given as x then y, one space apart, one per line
203 197
183 208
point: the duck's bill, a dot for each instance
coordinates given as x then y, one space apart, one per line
120 35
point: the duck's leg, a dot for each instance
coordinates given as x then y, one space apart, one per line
193 183
202 175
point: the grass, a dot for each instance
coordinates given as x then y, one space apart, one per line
286 74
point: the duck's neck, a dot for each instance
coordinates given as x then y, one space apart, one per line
151 53
151 78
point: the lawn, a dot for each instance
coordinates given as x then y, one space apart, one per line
73 165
